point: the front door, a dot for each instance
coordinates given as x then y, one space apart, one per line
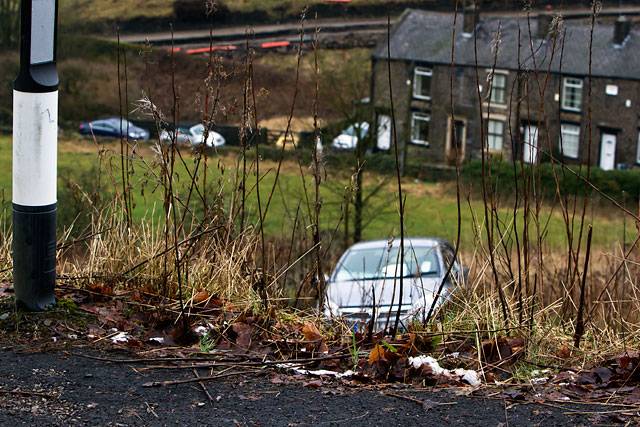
608 152
384 133
456 140
530 149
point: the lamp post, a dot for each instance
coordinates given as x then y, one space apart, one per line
35 140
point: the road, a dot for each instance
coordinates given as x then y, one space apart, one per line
65 389
239 34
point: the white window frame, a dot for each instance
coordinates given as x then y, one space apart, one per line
418 73
573 83
419 117
492 86
569 129
493 136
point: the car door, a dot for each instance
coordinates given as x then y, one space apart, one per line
101 128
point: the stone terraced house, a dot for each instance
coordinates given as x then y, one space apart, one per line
521 85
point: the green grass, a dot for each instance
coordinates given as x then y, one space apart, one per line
84 11
431 208
88 11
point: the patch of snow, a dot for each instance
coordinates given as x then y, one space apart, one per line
420 361
468 376
540 380
158 340
201 330
317 373
120 338
465 375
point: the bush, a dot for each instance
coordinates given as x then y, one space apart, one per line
501 176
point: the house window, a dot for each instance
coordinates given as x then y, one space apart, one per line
498 88
638 152
422 83
495 134
420 128
570 140
572 94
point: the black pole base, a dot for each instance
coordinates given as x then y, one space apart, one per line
34 256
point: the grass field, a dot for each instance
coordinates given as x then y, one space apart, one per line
83 11
431 208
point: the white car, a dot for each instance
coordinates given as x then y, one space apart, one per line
368 273
348 139
193 135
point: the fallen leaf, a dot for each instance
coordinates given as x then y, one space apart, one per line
564 352
604 374
313 384
377 355
243 332
311 332
200 297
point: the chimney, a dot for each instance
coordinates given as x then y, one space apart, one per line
544 24
621 30
470 20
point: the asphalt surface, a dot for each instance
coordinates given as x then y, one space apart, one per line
65 389
257 31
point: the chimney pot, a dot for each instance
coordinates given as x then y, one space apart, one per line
621 30
544 25
471 19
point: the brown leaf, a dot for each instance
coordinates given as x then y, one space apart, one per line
200 297
313 384
99 289
243 332
624 361
311 332
377 355
564 352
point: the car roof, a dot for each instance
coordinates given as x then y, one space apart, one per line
408 242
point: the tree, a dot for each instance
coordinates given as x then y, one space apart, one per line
9 23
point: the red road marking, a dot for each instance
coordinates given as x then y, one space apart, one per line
211 49
270 45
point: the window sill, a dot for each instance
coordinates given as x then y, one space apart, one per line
570 110
495 105
421 98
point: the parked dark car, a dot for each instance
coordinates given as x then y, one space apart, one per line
114 128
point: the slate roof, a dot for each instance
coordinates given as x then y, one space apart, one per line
426 36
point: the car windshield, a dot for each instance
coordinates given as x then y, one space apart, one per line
353 130
198 130
382 263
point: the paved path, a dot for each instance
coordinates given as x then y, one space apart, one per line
258 31
91 392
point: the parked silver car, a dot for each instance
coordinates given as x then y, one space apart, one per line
366 280
193 135
348 139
